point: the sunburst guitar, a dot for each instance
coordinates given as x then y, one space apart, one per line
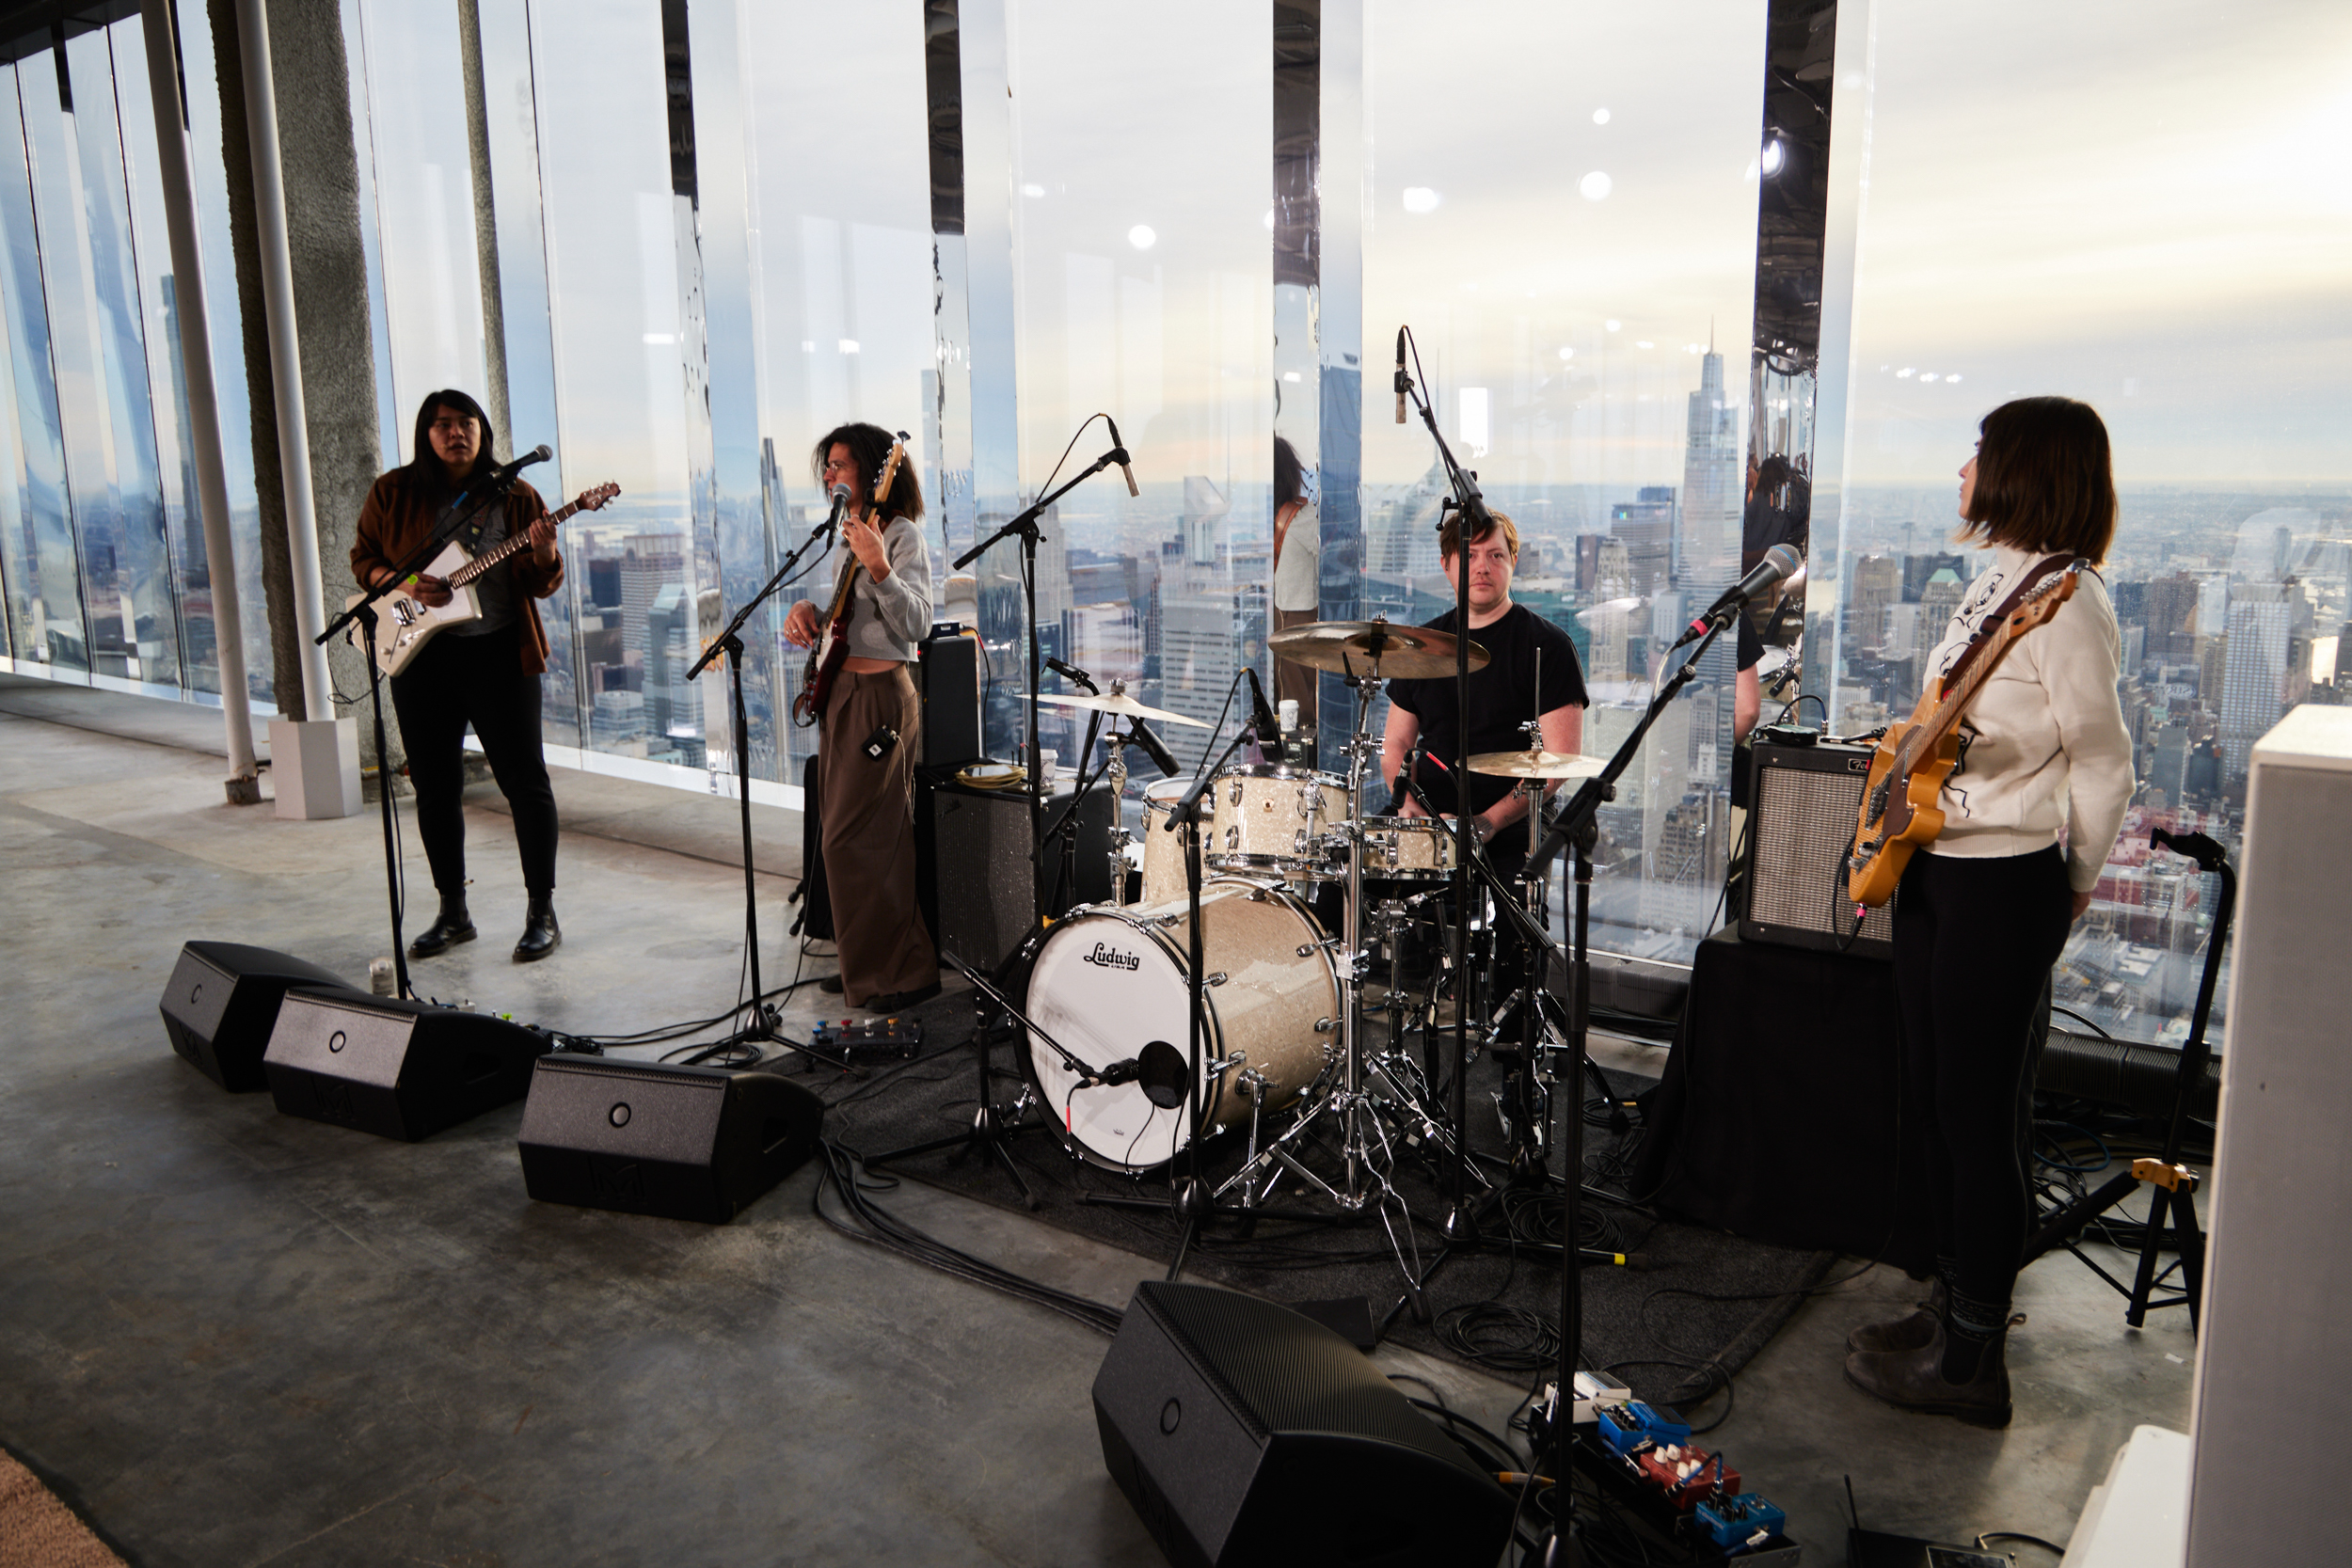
405 623
1915 757
831 649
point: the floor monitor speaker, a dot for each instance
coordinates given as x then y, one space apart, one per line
222 1003
400 1069
1801 812
687 1142
948 673
1222 1413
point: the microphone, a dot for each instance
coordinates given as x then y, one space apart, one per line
1262 719
1779 563
505 472
1401 382
1162 758
1076 676
840 506
1119 455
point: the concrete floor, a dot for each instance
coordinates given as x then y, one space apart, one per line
244 1338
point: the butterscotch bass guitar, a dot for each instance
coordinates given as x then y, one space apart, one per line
831 648
1915 757
405 623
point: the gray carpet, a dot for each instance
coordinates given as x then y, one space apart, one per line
1705 1299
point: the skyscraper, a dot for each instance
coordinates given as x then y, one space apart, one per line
1706 543
2254 668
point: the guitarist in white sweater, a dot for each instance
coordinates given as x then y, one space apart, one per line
2031 811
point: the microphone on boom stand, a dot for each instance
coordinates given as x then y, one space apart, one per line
1262 720
505 472
1076 676
1119 455
1779 563
1401 382
1162 758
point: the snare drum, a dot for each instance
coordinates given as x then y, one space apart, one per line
1408 849
1163 851
1274 820
1113 985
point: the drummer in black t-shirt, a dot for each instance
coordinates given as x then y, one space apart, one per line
1503 696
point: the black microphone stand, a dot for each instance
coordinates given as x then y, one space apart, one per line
730 642
1026 525
363 611
1461 1224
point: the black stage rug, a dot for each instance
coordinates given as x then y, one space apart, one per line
1706 1300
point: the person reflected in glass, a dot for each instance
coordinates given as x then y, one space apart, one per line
484 672
1532 674
1297 561
1982 911
870 730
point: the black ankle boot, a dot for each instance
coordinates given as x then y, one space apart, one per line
1907 1333
452 926
541 934
1913 1380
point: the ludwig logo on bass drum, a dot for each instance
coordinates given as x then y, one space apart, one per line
1111 957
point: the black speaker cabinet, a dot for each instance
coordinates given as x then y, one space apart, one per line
972 864
948 675
687 1143
222 1004
1246 1434
1800 820
400 1069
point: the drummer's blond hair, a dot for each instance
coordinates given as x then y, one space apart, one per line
1449 534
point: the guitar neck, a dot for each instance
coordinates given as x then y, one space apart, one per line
488 559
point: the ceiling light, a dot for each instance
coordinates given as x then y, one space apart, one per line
1601 117
1421 198
1774 155
1594 186
1141 237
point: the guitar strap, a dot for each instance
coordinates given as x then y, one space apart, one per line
2025 584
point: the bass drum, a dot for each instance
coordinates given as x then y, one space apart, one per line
1112 985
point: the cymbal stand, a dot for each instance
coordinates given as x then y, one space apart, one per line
1115 771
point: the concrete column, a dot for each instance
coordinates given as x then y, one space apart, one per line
195 345
485 227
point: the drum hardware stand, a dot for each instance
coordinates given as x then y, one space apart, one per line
1065 827
993 1128
1024 524
2175 1183
363 611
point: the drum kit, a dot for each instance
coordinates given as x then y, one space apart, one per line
1297 875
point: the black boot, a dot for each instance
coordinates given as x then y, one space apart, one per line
453 926
1915 1380
1907 1333
541 934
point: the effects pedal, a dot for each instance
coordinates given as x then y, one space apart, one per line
901 1035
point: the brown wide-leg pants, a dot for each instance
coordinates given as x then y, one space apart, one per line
867 810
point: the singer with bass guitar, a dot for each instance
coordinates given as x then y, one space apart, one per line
1524 649
871 718
2040 771
482 673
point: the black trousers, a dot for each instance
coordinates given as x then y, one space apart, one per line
458 681
1974 942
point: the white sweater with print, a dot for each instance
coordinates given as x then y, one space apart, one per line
2046 748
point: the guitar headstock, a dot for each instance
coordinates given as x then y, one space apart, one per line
889 471
2042 600
597 499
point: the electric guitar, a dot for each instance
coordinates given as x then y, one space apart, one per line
406 623
1915 757
831 649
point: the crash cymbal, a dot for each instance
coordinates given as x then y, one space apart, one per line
1538 765
1405 653
1124 705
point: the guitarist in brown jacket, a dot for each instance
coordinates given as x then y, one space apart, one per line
1983 908
484 672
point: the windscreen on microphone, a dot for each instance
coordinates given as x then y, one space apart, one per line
1262 719
1164 1073
1119 454
1162 758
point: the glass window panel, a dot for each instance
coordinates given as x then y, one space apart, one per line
613 229
1573 256
44 579
225 316
139 599
2183 272
1143 286
167 372
388 416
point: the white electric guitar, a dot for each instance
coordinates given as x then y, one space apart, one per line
407 623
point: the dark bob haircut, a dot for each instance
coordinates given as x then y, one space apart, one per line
869 449
1290 475
421 459
2044 479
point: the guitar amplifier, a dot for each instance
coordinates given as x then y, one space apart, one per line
1803 807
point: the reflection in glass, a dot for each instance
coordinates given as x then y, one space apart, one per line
1569 338
44 579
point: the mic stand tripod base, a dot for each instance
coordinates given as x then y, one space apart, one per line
991 1128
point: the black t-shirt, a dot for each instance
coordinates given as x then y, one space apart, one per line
1501 698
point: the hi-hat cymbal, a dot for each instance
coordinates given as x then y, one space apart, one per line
1538 765
1404 653
1126 706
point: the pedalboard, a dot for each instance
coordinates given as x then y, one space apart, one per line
1684 1498
901 1036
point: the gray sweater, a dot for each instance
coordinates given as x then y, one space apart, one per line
888 618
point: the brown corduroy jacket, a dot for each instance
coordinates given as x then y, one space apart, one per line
399 518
